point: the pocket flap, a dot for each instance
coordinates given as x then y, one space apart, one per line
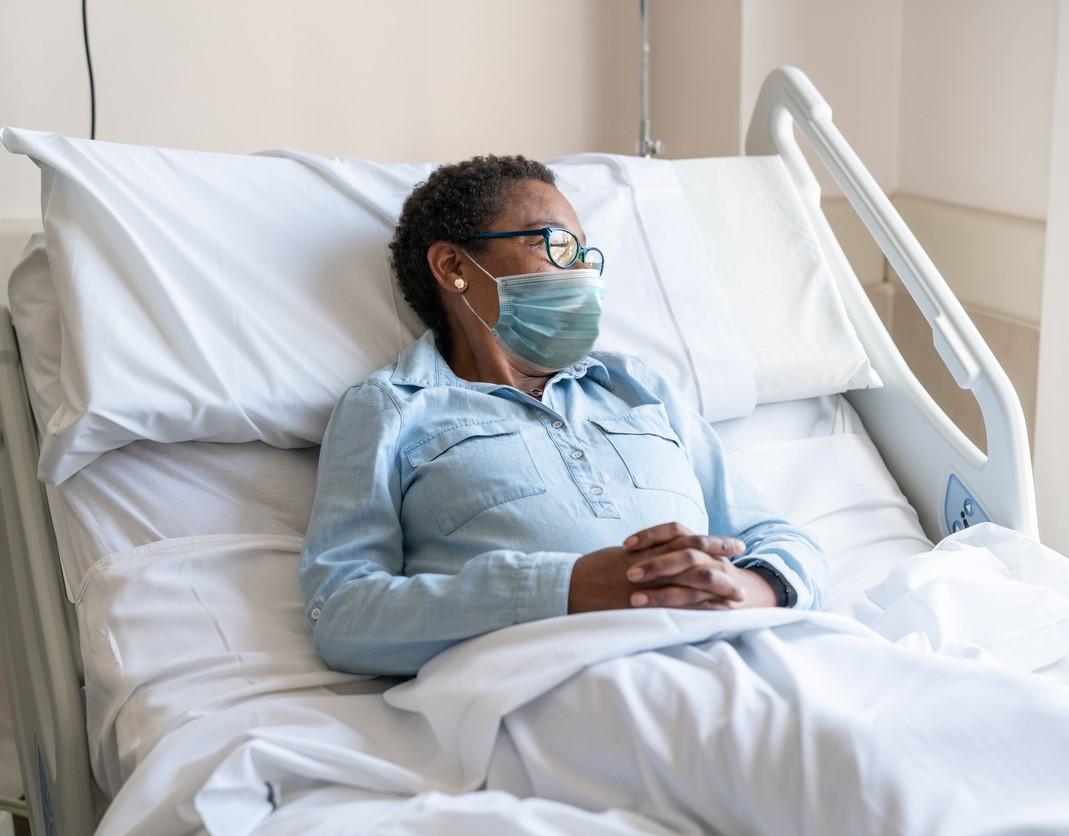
431 448
646 419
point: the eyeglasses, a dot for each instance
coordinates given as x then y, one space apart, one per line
562 246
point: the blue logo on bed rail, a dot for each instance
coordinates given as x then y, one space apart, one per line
960 508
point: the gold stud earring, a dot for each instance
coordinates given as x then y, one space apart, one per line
459 284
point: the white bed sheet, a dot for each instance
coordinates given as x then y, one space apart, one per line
616 719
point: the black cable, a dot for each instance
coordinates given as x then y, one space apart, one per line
92 87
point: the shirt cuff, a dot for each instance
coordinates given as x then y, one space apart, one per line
543 585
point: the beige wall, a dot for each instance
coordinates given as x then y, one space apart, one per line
695 76
709 58
977 87
992 260
972 141
400 81
42 85
850 49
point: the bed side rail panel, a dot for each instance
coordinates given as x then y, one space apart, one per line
937 466
42 665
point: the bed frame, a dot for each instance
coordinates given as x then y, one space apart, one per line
938 468
935 464
44 668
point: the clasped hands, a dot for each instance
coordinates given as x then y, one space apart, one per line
667 566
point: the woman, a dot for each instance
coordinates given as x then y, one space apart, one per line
498 473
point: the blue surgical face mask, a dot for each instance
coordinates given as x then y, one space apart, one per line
547 320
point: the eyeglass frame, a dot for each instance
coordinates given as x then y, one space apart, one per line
545 232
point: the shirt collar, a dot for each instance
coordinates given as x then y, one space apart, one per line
422 365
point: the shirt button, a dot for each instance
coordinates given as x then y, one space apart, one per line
577 454
315 613
558 424
597 490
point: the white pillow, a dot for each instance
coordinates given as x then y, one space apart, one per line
205 296
767 260
35 314
234 298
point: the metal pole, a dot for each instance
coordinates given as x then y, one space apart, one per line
647 146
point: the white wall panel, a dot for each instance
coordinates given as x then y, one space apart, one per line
1052 439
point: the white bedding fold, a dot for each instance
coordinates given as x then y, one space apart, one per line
629 721
184 627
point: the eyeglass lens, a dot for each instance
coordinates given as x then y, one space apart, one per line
593 259
563 247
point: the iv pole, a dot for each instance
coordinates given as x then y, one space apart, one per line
647 146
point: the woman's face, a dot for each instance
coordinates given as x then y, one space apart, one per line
530 204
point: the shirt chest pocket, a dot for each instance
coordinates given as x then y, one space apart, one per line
651 451
469 469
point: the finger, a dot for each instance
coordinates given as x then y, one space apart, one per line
723 545
668 564
668 596
711 581
712 544
656 535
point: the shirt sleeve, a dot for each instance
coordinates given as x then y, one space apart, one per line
366 615
735 506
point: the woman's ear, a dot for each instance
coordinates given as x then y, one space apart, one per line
448 265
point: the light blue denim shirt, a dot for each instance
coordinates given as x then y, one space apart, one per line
445 509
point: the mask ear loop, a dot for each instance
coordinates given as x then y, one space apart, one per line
465 296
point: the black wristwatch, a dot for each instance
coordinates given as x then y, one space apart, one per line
785 594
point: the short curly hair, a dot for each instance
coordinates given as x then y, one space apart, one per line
455 202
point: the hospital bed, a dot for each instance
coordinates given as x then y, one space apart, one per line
946 479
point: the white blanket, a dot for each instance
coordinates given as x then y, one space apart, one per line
661 721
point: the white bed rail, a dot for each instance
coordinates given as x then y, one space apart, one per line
38 625
923 448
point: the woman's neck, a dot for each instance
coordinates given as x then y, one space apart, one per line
482 360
